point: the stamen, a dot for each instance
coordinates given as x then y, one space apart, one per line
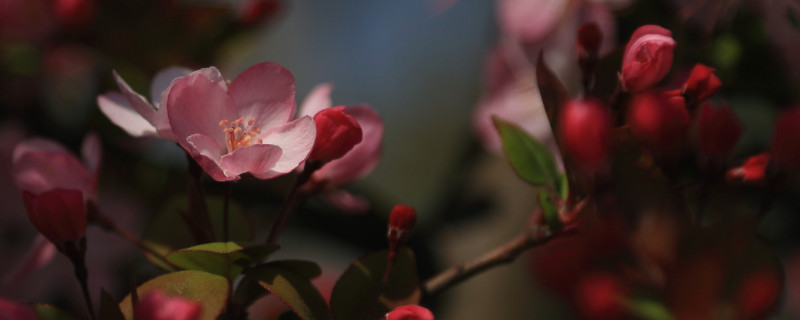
238 135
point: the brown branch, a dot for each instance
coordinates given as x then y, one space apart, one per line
504 254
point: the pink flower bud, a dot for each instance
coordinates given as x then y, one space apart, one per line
337 133
409 312
589 38
584 129
648 58
718 132
401 222
254 11
58 214
785 147
157 306
659 121
702 84
753 170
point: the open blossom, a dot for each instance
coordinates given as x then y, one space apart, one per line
648 58
244 128
156 305
356 163
134 114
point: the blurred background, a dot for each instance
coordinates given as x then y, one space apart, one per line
424 65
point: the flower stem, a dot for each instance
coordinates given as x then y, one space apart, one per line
295 198
225 213
505 253
76 252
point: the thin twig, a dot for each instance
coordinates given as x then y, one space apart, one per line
295 198
503 254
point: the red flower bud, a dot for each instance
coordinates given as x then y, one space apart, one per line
76 13
58 214
758 294
718 132
409 312
702 84
584 129
753 170
659 121
11 310
253 11
599 296
337 133
589 38
401 222
157 306
648 58
785 146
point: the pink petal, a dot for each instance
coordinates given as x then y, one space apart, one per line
207 153
58 214
121 113
137 101
531 21
347 202
256 159
296 139
264 92
39 166
40 253
319 98
162 81
197 104
92 150
363 157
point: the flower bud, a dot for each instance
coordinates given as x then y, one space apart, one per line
648 58
718 132
13 310
254 11
401 222
157 306
409 312
584 129
659 121
702 84
58 214
337 133
753 170
76 13
589 38
785 147
600 296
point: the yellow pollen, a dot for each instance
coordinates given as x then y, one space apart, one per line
238 135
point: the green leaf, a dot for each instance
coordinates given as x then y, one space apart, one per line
292 287
48 312
552 91
649 309
356 296
249 289
549 210
226 259
531 160
208 289
563 192
167 230
109 309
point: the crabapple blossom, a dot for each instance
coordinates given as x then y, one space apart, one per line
701 85
244 128
401 221
647 58
337 134
585 130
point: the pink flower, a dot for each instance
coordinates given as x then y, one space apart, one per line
134 114
358 162
648 58
244 128
409 312
337 134
156 305
41 165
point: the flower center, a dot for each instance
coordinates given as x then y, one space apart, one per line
239 134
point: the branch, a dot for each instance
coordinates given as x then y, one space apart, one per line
503 254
